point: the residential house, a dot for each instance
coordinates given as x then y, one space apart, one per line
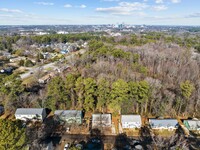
64 51
73 47
192 124
46 78
46 55
17 59
131 121
30 113
170 124
101 120
69 116
62 32
7 54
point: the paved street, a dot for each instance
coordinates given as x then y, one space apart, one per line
50 65
32 70
67 138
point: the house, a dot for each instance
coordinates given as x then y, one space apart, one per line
169 124
62 32
30 113
7 54
46 78
131 121
192 124
17 59
101 120
46 55
69 116
1 110
64 51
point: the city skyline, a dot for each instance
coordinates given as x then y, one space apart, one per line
63 12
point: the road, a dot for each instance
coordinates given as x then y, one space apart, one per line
81 137
32 70
50 65
68 138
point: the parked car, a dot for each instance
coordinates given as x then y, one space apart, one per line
1 110
66 146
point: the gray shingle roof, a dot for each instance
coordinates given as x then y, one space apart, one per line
101 119
68 113
131 118
163 123
29 111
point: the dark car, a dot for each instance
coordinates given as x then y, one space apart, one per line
1 110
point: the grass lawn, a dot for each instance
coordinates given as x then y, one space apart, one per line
131 132
164 132
29 80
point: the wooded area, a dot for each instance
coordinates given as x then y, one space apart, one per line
152 74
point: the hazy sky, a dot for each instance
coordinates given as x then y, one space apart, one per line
152 12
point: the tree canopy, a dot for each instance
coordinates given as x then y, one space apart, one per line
12 135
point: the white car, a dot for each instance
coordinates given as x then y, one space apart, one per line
66 147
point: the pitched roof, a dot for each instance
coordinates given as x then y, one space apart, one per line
163 122
29 111
101 118
69 113
192 124
131 118
96 117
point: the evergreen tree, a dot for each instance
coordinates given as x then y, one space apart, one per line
90 93
103 93
56 94
80 89
70 88
12 135
119 94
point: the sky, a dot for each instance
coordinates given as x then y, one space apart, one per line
68 12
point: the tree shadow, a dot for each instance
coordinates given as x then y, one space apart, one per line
179 131
95 140
34 88
48 111
194 143
121 141
145 136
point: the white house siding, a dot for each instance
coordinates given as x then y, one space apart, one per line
131 125
30 113
25 117
131 121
